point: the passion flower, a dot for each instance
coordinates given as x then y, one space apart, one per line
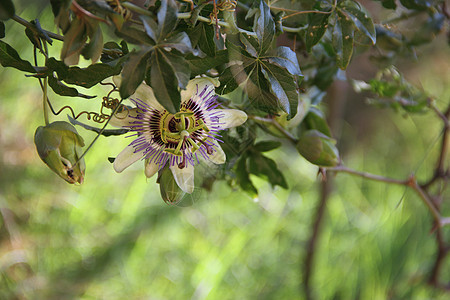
182 139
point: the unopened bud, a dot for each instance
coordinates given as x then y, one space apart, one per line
318 149
170 192
59 146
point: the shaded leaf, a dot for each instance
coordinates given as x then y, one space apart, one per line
283 86
266 168
179 66
134 36
7 10
167 18
287 59
133 72
61 89
164 82
202 65
243 178
10 58
265 146
264 26
315 119
180 42
150 26
2 30
202 36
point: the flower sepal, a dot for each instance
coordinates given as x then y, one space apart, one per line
60 146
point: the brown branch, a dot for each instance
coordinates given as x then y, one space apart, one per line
315 233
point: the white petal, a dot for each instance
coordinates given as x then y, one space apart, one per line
184 177
126 158
150 169
198 84
218 157
144 93
124 118
230 117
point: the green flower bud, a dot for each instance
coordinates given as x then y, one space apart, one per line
59 146
318 148
169 189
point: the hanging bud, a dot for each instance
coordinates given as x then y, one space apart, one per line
59 146
318 149
170 192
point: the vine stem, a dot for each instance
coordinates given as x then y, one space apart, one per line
98 135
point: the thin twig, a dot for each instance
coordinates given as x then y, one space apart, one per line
410 182
31 26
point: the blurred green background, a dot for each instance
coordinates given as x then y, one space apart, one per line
114 238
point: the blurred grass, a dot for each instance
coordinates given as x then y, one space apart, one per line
114 238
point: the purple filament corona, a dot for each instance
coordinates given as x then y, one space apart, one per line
204 126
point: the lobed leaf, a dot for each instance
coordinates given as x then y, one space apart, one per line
167 18
287 59
133 73
283 86
10 58
61 89
266 168
264 26
163 80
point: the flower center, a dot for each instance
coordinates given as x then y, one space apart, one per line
184 130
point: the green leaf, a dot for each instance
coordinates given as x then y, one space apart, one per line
416 4
167 18
360 18
228 79
316 120
283 86
164 82
94 48
200 65
134 36
264 26
266 168
203 36
7 10
179 66
243 178
61 89
90 76
179 41
343 39
265 146
150 26
287 59
133 73
10 58
318 24
258 90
